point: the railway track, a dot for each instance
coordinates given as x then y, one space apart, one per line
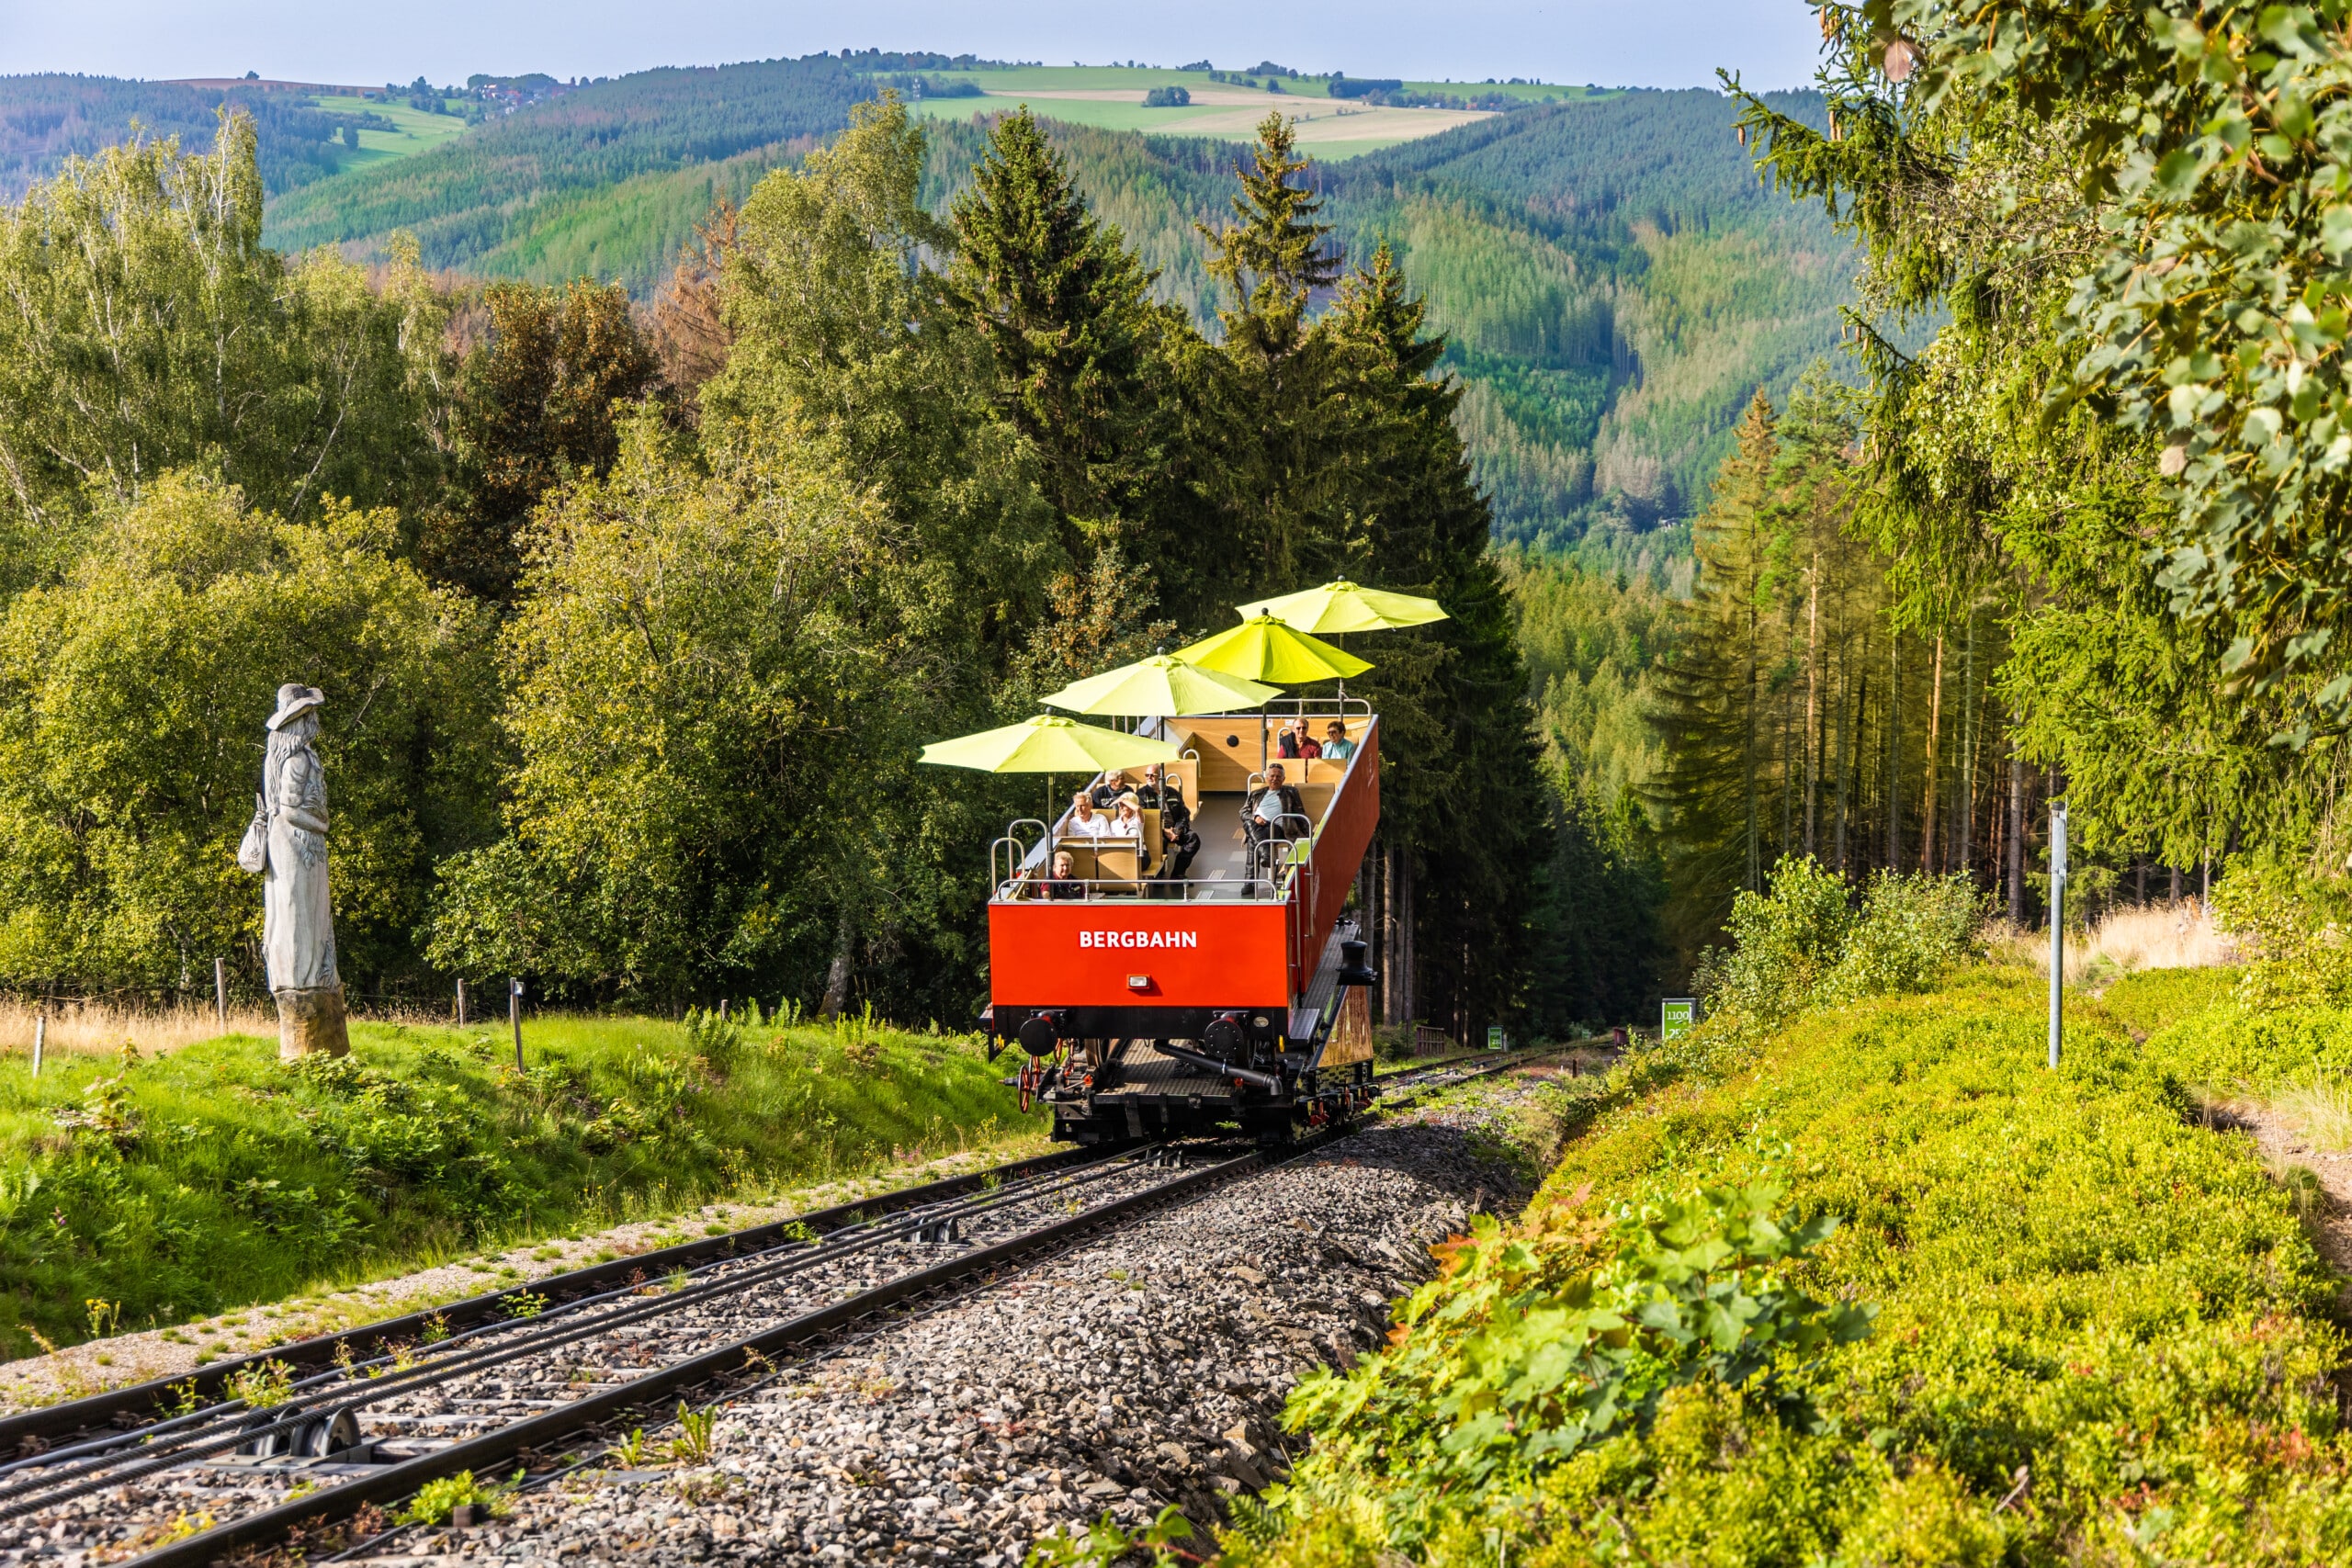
259 1452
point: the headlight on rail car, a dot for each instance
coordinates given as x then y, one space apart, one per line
1040 1033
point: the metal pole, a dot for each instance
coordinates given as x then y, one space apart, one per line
514 1016
2057 927
40 1039
220 991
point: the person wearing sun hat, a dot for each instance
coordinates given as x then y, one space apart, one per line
287 845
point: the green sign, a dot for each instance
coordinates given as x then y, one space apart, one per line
1494 1037
1677 1016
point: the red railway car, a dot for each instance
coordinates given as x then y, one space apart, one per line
1151 1004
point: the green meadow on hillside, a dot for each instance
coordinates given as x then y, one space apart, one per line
215 1177
1327 128
418 131
1139 78
1110 98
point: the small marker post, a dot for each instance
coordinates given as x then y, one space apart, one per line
461 1004
514 1016
41 1038
2057 928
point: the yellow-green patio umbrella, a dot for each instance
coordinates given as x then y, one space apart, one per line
1344 606
1049 744
1263 648
1161 687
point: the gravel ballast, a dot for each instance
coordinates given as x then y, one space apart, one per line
1146 1368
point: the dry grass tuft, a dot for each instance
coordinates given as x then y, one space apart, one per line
2320 1112
2151 936
92 1029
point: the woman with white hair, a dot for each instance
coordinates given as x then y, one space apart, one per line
1127 818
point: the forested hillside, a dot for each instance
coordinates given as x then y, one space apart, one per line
1615 283
485 190
1617 287
47 119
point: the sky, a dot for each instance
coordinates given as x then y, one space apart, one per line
1656 43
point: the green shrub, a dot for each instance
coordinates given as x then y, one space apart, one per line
436 1500
1911 932
1783 945
1804 943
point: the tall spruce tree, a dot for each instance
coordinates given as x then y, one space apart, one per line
1712 690
1276 255
1268 399
1065 308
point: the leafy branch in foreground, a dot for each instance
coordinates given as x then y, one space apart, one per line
2208 152
1533 1346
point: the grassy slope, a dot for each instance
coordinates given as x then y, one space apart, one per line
2077 1286
418 132
219 1178
1121 78
1327 128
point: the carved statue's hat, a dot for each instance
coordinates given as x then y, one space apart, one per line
294 700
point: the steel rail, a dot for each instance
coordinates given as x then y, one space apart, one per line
544 1429
1433 1076
135 1454
93 1411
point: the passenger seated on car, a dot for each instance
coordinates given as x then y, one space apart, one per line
1337 746
1085 822
1127 818
1164 794
1178 840
1107 795
1278 800
1297 743
1157 789
1061 883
